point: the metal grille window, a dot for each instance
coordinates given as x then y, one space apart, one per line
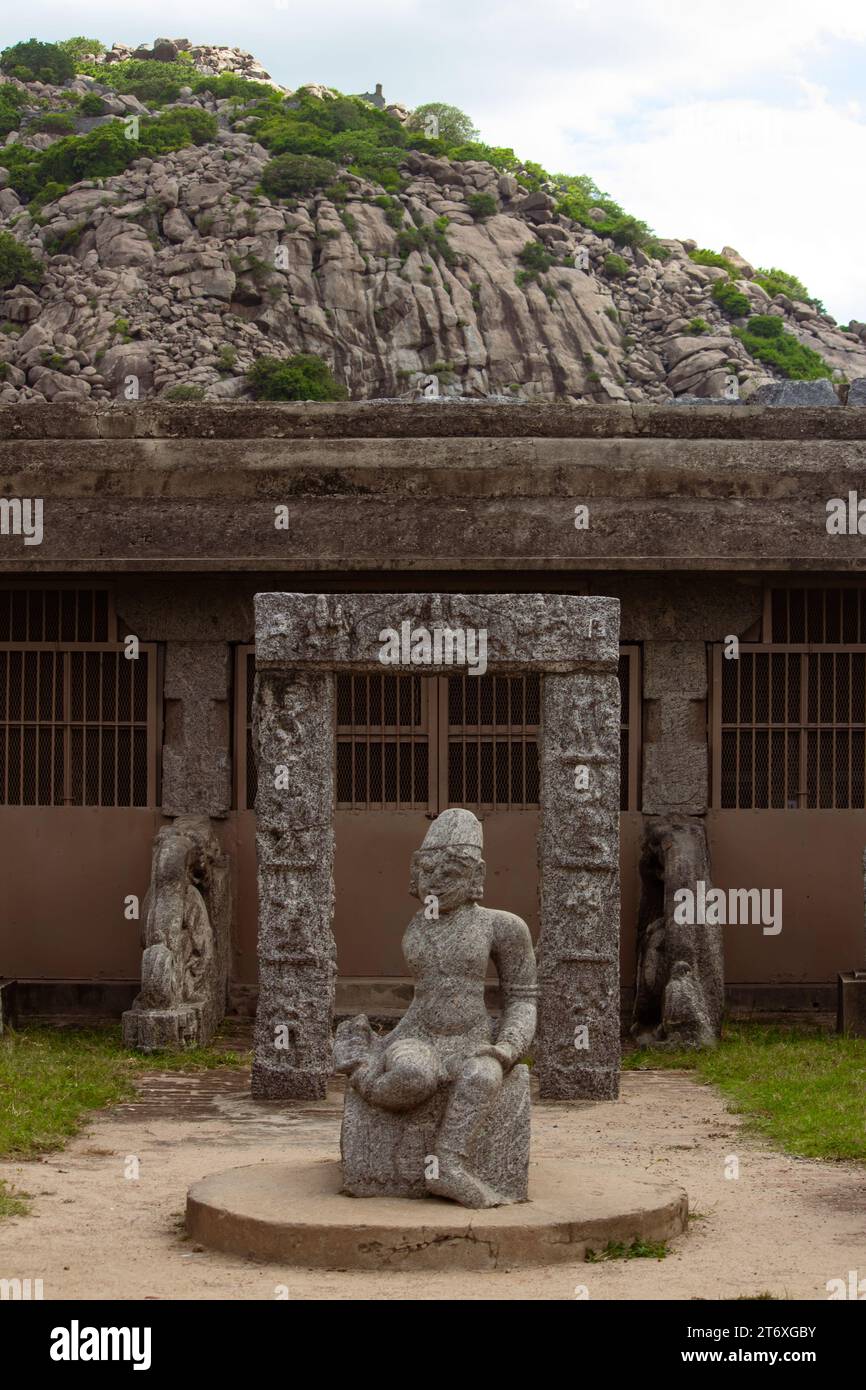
407 742
789 728
382 741
816 616
77 726
492 739
56 615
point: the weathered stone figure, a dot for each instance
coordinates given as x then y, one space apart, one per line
680 967
441 1105
187 918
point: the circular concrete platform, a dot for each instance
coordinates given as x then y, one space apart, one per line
294 1213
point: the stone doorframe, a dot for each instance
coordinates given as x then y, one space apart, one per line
302 642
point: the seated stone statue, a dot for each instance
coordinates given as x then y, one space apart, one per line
441 1105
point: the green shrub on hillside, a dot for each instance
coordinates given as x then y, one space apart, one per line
184 393
49 193
730 300
304 377
79 47
292 174
777 281
697 326
32 61
157 84
18 265
455 127
92 105
430 238
11 101
765 338
395 214
535 259
105 150
705 257
53 123
577 194
615 265
482 205
153 83
64 243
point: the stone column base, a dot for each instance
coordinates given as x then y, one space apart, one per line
150 1030
289 1083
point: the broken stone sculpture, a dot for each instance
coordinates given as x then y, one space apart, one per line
187 922
440 1106
680 967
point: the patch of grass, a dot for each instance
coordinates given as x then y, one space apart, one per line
184 393
637 1250
802 1089
696 326
13 1203
50 1079
431 238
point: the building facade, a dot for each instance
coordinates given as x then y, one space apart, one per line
132 542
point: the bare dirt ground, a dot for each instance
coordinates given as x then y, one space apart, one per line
785 1226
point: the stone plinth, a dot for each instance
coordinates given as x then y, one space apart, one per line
294 1214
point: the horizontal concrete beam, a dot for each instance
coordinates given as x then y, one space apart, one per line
375 420
203 503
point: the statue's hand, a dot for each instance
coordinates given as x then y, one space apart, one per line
504 1054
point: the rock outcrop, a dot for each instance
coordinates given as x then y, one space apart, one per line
180 273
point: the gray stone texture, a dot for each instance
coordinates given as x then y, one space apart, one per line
680 965
196 767
194 489
385 1154
675 766
301 640
293 733
439 1113
578 1050
187 917
857 392
793 393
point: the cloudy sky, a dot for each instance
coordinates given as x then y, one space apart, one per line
741 123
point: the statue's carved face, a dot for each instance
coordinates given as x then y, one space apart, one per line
452 876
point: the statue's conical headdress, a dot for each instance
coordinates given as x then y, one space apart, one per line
456 829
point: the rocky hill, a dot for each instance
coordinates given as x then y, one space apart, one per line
141 255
